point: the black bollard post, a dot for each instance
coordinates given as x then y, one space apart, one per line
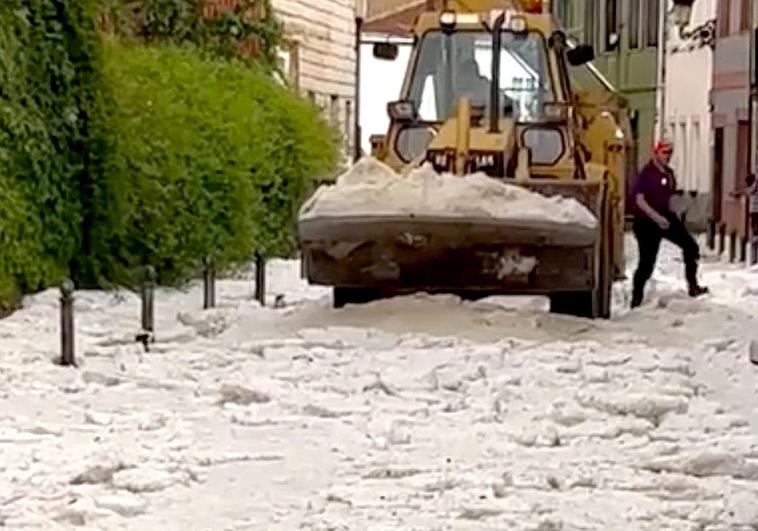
68 358
732 247
743 249
712 234
260 279
722 238
147 296
148 300
209 286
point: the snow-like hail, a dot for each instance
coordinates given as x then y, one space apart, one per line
415 413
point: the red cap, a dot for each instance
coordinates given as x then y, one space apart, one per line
663 147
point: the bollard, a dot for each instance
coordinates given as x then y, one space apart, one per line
712 234
209 286
722 238
260 279
732 247
743 250
67 324
148 300
147 296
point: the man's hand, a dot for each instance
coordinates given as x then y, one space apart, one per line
650 212
662 222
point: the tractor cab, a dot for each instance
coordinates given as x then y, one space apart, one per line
485 92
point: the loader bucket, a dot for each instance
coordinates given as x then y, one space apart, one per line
407 253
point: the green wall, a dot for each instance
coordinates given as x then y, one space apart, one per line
629 66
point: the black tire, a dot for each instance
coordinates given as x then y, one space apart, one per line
343 296
576 303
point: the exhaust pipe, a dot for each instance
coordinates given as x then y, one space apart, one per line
497 45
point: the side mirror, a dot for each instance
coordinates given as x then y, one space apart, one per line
582 54
386 51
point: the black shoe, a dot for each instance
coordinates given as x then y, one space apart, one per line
697 291
636 301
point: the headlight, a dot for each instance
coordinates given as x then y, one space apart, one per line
546 145
441 160
412 142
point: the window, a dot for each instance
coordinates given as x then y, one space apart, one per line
334 110
724 13
652 15
744 15
634 24
684 166
349 127
460 64
563 12
611 25
698 162
589 19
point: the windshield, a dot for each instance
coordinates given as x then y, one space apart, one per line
449 66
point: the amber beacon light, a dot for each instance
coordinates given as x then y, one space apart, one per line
532 6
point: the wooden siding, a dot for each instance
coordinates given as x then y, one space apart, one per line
321 37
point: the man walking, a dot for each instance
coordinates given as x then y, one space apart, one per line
653 221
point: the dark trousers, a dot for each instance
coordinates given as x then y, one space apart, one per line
649 236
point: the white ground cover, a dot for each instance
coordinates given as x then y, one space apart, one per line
416 413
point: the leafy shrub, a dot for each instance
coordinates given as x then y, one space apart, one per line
208 158
245 29
49 75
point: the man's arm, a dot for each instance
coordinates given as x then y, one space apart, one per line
651 213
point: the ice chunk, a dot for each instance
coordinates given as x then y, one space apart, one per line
372 189
124 504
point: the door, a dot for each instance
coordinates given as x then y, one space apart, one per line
718 174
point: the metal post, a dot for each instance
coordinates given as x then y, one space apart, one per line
711 234
147 296
68 358
260 279
752 97
357 132
722 238
732 247
209 286
660 132
148 300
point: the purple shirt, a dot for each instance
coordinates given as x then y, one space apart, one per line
656 186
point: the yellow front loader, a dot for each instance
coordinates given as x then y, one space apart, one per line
499 91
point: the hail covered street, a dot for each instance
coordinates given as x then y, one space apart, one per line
414 413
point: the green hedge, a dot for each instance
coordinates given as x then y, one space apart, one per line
207 158
222 33
114 156
49 75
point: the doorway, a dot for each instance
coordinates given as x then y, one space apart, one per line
718 174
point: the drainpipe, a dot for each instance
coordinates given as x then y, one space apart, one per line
357 132
660 130
750 90
751 151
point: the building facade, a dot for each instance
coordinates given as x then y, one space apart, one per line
688 78
319 57
730 107
625 35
